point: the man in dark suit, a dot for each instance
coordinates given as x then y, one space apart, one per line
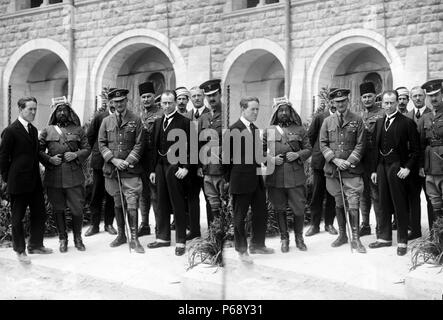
417 178
246 183
19 167
319 180
397 143
98 180
168 169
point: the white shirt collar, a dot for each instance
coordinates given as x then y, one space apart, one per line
168 116
23 122
245 122
421 110
391 115
199 111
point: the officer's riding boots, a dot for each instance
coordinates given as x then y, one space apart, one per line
342 237
283 226
77 223
121 237
298 230
133 222
60 222
354 222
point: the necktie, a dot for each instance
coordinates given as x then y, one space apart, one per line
165 123
387 123
30 129
196 115
341 120
417 115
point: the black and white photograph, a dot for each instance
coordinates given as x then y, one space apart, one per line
222 155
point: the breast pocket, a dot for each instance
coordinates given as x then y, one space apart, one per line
110 134
73 140
438 125
129 132
332 134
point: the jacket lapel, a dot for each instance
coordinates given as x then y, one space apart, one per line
22 131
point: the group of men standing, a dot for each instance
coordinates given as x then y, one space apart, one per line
166 155
384 157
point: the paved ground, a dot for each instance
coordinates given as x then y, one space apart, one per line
113 273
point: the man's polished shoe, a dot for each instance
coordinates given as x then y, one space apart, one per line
401 251
109 229
144 230
312 230
378 244
330 228
364 231
179 251
412 236
260 250
63 245
245 258
156 244
40 250
91 231
23 258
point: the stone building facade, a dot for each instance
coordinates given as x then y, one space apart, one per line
266 48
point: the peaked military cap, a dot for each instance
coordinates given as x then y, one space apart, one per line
146 87
211 86
118 94
432 86
367 87
339 94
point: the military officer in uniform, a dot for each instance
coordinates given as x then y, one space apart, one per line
286 143
370 191
98 180
430 127
212 168
149 113
63 149
120 141
342 142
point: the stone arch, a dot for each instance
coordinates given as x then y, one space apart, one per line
255 67
333 51
128 43
29 53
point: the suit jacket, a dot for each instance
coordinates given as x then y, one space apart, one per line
317 160
411 114
406 139
179 121
242 176
92 135
19 159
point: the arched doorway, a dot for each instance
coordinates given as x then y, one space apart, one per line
349 58
255 73
40 73
134 57
362 65
136 64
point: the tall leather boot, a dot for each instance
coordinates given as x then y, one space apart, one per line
133 222
77 223
60 222
121 237
298 230
342 237
283 226
354 222
145 205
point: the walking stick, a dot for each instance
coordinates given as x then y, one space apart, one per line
125 217
348 227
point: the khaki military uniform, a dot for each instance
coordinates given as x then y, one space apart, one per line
348 143
123 142
430 128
